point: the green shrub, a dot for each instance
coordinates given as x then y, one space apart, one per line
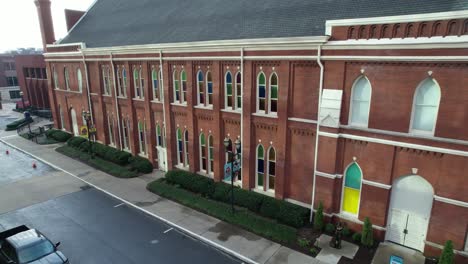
192 182
58 135
140 164
303 242
367 238
318 218
293 215
74 141
346 231
330 228
270 208
222 192
357 237
313 251
16 124
447 256
251 200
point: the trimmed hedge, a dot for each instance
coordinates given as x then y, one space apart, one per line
58 135
76 141
18 123
140 164
285 212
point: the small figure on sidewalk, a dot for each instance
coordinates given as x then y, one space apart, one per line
336 240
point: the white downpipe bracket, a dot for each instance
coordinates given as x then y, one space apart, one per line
319 49
87 87
116 101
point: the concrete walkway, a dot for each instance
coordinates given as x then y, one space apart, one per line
245 245
387 249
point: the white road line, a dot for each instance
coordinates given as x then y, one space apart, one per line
10 136
168 230
115 206
181 228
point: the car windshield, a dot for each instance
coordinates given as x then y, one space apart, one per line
35 251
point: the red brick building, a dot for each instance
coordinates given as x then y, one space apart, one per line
32 79
362 106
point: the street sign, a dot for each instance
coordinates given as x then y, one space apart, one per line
236 166
227 172
396 260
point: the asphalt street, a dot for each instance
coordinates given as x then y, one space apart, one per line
95 228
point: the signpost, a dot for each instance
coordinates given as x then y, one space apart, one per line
227 171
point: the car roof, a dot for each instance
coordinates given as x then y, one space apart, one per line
26 238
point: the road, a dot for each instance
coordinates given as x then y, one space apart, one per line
93 227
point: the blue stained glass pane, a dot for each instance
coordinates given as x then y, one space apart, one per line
200 76
177 96
159 140
260 165
155 84
261 91
180 145
210 87
228 78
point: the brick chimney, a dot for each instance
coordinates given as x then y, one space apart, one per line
72 17
45 22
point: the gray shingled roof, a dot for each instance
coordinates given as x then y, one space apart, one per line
133 22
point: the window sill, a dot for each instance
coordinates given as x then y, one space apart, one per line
122 97
143 155
127 150
107 95
358 126
138 99
265 115
261 191
182 167
421 133
179 104
204 107
156 102
112 145
236 183
203 173
231 111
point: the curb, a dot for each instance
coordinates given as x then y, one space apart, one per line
183 229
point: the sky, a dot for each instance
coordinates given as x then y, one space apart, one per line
19 24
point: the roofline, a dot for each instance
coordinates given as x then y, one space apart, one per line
395 19
235 44
79 20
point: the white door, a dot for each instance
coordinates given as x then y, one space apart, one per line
162 158
407 229
76 130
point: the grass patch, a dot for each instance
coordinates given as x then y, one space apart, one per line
242 217
98 163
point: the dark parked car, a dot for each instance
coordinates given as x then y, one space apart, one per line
21 245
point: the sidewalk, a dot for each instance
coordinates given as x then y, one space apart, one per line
222 235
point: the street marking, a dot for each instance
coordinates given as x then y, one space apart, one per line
168 230
154 241
115 206
10 136
181 228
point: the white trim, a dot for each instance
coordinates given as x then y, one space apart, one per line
342 212
267 193
351 101
395 19
397 143
176 104
376 184
451 201
265 115
203 107
357 221
226 100
396 58
303 120
134 99
328 175
58 45
269 94
228 111
413 110
432 244
297 203
267 185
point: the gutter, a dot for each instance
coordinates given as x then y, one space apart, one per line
116 101
87 88
242 103
319 50
163 101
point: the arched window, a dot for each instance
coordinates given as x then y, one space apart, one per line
136 82
106 80
210 154
180 148
142 84
200 88
271 168
119 81
79 77
158 136
203 164
62 123
260 167
261 93
228 91
360 102
209 87
425 107
183 82
239 91
186 149
125 126
67 78
273 98
175 79
55 79
142 137
155 82
110 125
352 190
124 82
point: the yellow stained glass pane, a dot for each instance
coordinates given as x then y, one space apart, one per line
351 200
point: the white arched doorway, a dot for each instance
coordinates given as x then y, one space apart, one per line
76 129
409 212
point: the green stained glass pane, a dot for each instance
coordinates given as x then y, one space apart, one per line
135 74
239 102
229 89
184 76
353 177
202 139
274 92
211 154
261 78
176 84
154 75
158 130
260 152
260 179
179 134
140 126
274 79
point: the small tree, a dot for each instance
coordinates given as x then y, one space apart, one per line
367 238
318 219
447 253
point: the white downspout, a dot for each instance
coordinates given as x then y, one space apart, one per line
162 97
242 103
116 101
319 49
87 87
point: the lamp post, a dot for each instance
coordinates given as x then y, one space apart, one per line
232 157
87 116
